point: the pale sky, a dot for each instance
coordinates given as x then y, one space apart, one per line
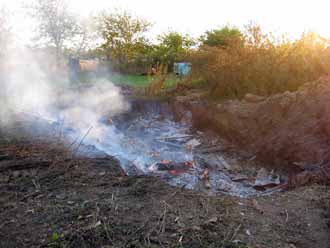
195 17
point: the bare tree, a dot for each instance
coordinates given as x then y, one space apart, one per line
57 26
87 36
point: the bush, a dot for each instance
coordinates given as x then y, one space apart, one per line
262 66
222 37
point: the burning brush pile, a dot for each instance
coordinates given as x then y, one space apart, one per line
152 143
146 140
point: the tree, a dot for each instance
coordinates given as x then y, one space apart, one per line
85 40
57 26
222 37
123 36
173 47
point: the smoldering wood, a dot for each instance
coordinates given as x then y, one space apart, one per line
212 149
178 137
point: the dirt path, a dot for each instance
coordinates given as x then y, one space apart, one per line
48 198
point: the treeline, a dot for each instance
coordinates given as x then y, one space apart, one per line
127 46
228 62
258 63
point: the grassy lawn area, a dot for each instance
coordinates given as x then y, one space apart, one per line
142 81
137 81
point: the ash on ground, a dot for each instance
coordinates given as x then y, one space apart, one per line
153 143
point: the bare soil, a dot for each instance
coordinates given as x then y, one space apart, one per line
50 197
288 131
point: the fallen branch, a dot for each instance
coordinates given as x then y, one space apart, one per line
169 144
82 140
176 137
211 149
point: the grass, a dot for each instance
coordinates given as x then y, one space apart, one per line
142 81
132 80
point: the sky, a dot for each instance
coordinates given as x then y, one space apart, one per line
280 16
291 17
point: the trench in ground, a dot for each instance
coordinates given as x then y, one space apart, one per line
149 141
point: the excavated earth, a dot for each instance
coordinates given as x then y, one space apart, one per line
51 196
289 131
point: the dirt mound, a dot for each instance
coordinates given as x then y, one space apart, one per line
291 130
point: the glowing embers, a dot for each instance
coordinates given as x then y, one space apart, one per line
171 167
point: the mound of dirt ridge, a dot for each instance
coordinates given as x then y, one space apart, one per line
291 130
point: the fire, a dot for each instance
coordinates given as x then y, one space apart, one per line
173 172
170 167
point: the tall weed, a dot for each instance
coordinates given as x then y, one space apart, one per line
264 65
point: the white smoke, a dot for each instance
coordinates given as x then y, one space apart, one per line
26 88
93 107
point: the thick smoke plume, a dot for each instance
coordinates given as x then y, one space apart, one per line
92 107
27 88
24 86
